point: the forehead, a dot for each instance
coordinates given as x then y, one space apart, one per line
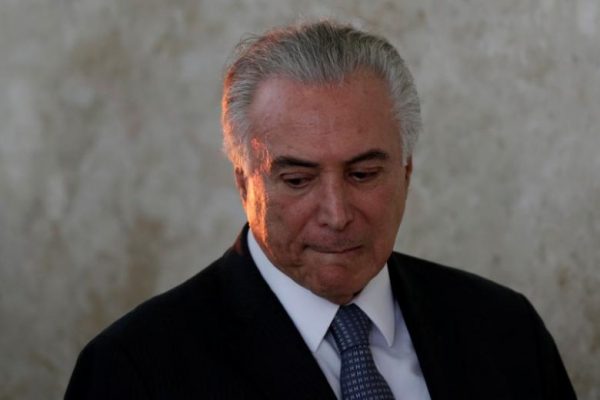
324 121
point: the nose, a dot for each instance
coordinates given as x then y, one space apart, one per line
335 208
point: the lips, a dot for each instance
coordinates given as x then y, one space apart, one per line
333 249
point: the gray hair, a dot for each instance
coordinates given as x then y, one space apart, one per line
319 52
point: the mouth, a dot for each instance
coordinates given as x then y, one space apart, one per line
333 250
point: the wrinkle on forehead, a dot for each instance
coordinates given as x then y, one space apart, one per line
302 117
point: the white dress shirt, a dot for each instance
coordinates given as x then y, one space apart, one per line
312 315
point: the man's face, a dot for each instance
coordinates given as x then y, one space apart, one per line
325 188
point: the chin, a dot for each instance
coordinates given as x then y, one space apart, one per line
337 284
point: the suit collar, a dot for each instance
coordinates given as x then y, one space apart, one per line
311 314
262 336
436 342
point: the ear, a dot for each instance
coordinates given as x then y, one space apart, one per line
241 183
408 168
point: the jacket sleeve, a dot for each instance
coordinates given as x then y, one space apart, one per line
105 371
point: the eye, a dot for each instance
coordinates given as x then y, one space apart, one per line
296 181
363 175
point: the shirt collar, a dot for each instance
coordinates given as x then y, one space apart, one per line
312 315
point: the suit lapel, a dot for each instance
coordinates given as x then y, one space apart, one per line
435 340
263 338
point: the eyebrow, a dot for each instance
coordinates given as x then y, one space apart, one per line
288 161
374 154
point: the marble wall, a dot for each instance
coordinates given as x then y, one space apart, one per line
113 187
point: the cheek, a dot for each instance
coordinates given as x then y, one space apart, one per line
388 215
284 232
289 220
285 217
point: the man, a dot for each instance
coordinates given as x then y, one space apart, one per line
311 302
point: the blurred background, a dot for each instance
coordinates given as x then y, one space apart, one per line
113 187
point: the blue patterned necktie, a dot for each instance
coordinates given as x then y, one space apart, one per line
359 377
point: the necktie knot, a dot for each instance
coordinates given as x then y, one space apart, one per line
350 327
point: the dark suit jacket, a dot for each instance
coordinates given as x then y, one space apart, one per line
224 335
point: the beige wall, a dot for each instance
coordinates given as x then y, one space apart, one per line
112 187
